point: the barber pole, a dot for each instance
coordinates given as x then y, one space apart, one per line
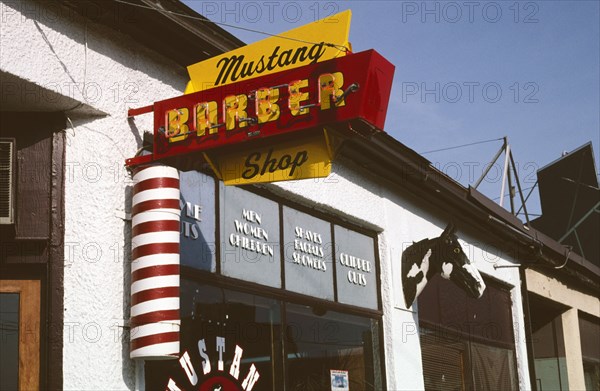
155 318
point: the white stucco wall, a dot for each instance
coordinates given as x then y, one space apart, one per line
57 49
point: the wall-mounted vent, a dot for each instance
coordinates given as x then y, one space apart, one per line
7 180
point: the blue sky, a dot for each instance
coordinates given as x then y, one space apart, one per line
467 72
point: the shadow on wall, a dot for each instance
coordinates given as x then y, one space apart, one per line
86 76
128 368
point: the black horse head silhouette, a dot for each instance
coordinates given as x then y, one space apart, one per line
422 260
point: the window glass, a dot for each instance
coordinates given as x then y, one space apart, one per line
355 268
9 342
444 360
548 344
243 321
589 332
198 220
250 237
318 342
307 254
467 343
315 347
550 359
494 368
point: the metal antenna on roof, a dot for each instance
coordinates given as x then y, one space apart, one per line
509 163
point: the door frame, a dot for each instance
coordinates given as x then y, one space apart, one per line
29 329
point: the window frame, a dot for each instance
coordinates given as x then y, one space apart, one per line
29 317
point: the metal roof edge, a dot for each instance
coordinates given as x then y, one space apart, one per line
570 153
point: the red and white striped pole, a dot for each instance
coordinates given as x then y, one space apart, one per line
155 318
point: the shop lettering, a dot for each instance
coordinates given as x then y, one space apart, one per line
357 278
203 119
250 236
249 229
251 245
308 235
308 251
355 262
234 369
308 248
251 216
193 211
354 276
190 229
232 68
271 164
309 255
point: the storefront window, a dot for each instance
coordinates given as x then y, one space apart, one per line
320 344
221 321
467 344
313 347
548 344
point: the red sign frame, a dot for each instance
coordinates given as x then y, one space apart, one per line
361 109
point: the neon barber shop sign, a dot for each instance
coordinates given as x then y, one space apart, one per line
349 93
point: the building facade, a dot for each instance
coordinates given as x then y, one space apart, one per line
288 285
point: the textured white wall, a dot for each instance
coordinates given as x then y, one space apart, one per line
57 49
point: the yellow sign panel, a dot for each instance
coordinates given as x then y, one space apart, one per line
294 160
314 42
